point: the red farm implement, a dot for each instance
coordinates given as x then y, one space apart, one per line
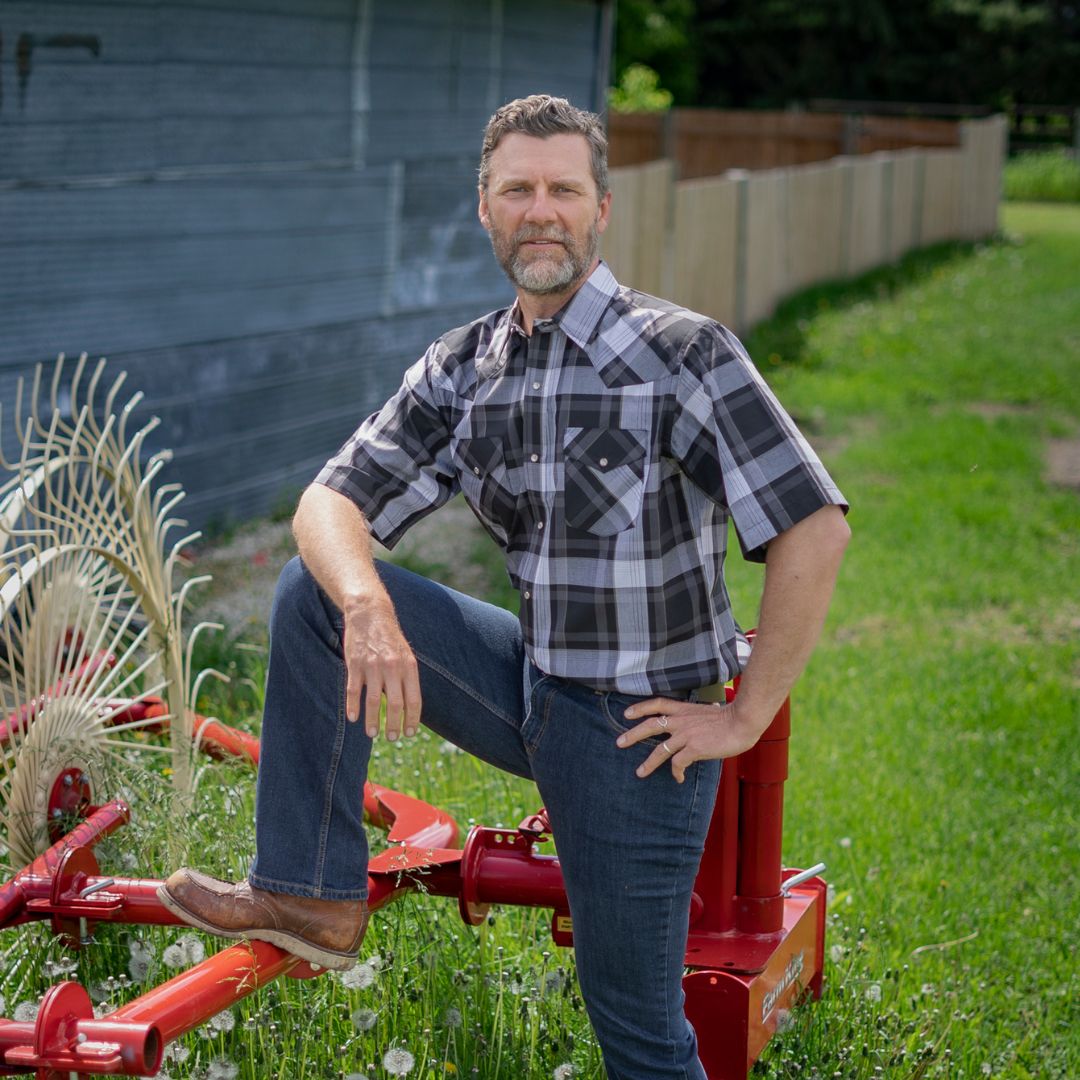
92 654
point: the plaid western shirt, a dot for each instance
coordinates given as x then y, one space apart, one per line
605 454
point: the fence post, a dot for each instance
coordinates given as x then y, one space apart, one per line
887 207
742 218
918 198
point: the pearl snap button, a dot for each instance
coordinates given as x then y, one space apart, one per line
536 386
539 524
527 594
476 469
534 457
603 463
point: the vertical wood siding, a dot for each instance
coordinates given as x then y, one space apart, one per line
263 210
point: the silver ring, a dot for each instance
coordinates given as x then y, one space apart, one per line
662 721
664 746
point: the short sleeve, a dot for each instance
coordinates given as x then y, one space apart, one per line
396 466
738 445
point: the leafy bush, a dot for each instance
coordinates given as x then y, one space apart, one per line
1044 176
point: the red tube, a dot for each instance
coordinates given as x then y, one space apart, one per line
221 741
100 823
192 997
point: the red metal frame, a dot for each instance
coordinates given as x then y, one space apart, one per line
755 946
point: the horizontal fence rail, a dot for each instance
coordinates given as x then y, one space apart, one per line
732 246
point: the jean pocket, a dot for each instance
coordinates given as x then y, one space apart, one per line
616 704
605 471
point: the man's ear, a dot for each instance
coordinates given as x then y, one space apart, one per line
603 215
482 210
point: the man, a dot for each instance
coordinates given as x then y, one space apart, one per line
603 438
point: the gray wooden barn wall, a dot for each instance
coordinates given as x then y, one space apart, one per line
262 210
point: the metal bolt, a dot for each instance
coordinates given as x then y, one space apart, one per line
68 779
57 812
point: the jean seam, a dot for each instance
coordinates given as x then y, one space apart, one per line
671 899
328 790
545 717
466 689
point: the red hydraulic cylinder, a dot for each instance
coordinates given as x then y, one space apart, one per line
712 906
759 906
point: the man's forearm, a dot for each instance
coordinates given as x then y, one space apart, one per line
333 540
800 572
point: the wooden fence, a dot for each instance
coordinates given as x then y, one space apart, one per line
733 246
707 142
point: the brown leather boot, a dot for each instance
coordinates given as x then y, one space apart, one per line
324 932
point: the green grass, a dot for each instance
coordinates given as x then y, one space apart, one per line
1045 175
934 761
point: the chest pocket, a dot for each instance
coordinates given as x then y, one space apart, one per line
605 478
490 483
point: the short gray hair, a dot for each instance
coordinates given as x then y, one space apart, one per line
542 115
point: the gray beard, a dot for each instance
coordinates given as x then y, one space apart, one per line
545 275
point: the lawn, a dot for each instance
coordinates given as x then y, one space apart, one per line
934 761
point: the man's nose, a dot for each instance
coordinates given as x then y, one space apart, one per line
541 209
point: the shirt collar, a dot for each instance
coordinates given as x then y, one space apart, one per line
579 319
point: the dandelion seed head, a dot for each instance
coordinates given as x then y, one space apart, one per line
139 969
836 953
783 1020
987 1068
139 950
447 747
173 956
193 949
222 1021
845 841
873 992
3 1003
52 968
26 1011
564 1071
359 977
363 1019
176 1052
222 1069
397 1061
452 1017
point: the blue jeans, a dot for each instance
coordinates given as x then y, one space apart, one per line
628 848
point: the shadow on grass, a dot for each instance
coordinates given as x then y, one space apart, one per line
782 339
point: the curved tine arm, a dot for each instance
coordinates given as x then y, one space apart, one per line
91 390
126 411
206 673
174 553
160 494
181 596
189 652
34 419
110 397
163 513
20 431
5 464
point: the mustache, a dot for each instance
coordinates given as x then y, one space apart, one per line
525 234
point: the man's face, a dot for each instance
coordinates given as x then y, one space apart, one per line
542 211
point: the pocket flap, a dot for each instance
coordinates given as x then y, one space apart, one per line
604 449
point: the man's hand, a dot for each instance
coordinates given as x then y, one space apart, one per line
334 543
695 732
378 659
